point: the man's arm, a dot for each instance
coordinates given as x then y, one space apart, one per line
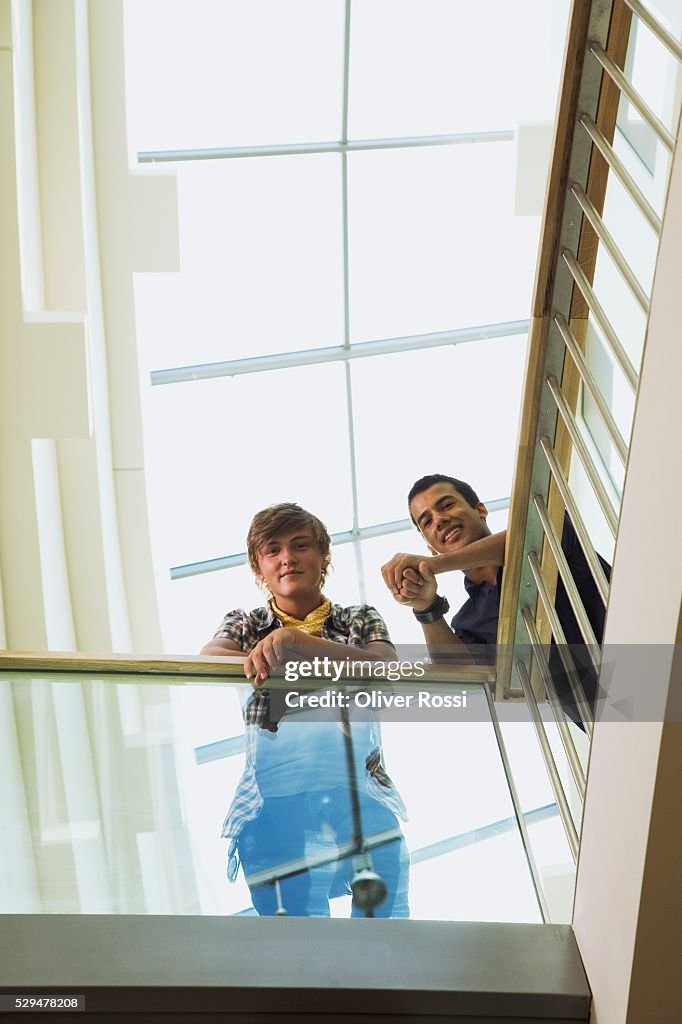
477 555
419 591
444 646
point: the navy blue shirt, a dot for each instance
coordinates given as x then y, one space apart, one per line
476 621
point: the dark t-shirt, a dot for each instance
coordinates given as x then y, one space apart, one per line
476 622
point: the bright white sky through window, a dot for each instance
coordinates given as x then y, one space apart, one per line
302 251
433 243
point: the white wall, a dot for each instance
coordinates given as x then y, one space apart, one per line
75 561
628 908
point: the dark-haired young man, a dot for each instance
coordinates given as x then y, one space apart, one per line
452 520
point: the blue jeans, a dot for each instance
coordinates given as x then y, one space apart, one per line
290 827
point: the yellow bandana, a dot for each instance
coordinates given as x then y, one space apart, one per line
311 624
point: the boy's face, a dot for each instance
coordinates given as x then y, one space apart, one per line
291 564
446 520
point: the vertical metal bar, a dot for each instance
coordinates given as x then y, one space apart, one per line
358 834
592 387
619 169
344 174
518 809
606 239
581 448
562 646
359 567
657 30
601 319
591 556
567 579
557 710
548 756
647 114
346 283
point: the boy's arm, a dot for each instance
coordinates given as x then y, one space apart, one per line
221 646
290 643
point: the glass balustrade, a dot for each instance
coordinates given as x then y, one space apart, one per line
114 788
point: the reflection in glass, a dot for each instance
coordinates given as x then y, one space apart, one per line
114 787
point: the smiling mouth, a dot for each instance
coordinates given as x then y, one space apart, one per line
451 534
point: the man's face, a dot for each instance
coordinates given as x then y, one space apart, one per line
291 564
446 520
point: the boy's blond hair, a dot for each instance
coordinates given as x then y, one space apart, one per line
284 518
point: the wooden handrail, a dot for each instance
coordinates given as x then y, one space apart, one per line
196 666
129 664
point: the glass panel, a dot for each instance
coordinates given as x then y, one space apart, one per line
655 74
632 234
414 70
621 308
261 264
456 835
215 73
545 829
114 789
462 407
653 186
220 450
595 521
621 402
447 253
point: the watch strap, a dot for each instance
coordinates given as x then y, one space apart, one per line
434 612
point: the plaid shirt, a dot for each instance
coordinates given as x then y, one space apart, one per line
356 626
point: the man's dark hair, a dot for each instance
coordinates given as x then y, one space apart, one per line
423 484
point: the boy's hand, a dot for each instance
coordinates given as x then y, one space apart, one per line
269 654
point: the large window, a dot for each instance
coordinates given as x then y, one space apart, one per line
355 273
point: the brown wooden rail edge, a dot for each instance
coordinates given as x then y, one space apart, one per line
182 667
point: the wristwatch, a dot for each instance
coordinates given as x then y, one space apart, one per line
436 611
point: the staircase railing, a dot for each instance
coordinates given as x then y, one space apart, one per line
566 302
